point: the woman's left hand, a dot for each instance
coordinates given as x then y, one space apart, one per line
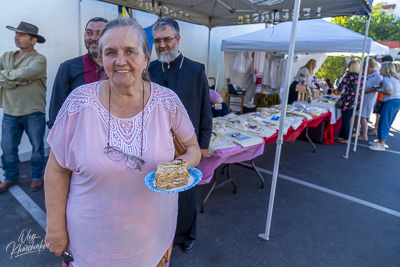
56 242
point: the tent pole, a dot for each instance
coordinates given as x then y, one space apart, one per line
361 103
358 88
219 65
208 50
279 141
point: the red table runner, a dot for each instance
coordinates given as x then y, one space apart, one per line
292 134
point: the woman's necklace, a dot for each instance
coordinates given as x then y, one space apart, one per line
109 118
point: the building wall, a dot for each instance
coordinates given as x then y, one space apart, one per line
394 5
62 23
394 46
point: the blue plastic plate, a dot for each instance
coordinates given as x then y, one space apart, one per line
195 178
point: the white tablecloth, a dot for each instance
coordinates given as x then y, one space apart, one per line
336 113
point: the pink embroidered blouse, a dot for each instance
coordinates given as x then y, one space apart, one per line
113 219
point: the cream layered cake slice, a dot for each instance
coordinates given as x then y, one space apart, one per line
171 174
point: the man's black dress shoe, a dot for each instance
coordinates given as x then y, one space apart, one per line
188 246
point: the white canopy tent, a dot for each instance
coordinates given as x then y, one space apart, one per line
212 13
314 36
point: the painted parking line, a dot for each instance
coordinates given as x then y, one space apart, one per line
40 216
332 192
386 150
31 207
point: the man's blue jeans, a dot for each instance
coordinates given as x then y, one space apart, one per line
12 130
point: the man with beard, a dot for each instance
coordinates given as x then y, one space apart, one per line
23 99
78 71
188 80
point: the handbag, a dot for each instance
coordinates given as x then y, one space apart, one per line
180 149
339 104
301 88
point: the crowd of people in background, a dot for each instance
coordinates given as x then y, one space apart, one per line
381 96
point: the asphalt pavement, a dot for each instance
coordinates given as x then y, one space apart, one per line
328 211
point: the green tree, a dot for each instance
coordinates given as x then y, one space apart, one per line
383 26
332 68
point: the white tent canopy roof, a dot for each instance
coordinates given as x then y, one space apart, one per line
212 13
313 36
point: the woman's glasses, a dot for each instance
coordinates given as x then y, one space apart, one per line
132 161
115 154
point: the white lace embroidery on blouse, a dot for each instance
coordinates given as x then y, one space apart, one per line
125 133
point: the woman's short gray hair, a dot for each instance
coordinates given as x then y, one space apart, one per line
135 27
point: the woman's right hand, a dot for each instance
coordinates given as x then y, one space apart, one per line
56 241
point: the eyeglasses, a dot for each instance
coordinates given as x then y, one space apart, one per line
133 162
166 40
115 154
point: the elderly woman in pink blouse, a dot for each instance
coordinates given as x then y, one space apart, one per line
107 136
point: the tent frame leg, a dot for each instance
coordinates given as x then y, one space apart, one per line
215 186
263 236
309 140
253 167
346 156
279 141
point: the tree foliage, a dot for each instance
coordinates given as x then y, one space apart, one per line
383 26
332 68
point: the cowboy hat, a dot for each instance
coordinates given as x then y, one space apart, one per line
28 28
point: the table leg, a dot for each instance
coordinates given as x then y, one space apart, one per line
253 167
209 192
215 186
229 179
258 173
309 140
223 168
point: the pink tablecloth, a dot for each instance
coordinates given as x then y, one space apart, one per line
228 155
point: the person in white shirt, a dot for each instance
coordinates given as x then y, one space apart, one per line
373 80
304 77
391 97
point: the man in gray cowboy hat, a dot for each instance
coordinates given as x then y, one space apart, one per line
23 99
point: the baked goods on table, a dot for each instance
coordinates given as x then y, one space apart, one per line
171 174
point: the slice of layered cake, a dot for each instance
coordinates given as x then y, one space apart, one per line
171 174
